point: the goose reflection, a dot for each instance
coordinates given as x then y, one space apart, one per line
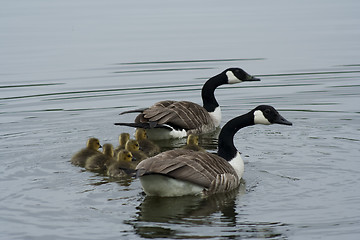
170 217
162 209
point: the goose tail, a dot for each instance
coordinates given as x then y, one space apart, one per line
139 110
147 125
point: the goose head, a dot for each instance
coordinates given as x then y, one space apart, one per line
123 138
93 143
140 134
237 75
125 156
132 145
108 149
265 114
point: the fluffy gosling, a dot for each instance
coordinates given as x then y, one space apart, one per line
92 146
146 145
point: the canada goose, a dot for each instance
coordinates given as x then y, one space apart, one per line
98 162
146 145
177 119
133 146
123 138
186 172
192 143
92 146
123 166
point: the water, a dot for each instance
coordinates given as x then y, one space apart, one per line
68 68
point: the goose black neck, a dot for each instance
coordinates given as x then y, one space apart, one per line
226 147
208 90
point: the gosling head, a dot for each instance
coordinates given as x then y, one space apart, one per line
140 134
125 155
123 138
192 139
93 143
108 149
132 145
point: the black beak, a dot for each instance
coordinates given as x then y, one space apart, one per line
100 146
281 120
133 159
252 78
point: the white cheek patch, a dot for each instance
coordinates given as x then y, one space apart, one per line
259 118
232 78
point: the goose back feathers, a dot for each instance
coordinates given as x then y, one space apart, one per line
206 170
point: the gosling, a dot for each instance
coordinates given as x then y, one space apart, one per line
146 145
123 166
92 146
133 146
192 143
98 163
123 138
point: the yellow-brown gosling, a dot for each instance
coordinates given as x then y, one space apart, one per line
134 147
123 166
146 145
192 143
123 138
92 146
98 162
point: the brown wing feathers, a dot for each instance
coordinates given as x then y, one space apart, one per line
185 115
201 168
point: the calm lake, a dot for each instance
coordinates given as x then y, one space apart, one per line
68 68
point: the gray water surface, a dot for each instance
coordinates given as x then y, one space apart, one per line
68 68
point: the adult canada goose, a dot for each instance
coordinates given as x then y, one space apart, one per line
92 146
123 138
98 162
146 145
177 119
133 146
123 166
184 172
192 143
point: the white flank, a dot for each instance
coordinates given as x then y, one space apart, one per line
163 133
232 78
259 118
159 185
216 116
238 164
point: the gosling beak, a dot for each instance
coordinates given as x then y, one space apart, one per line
133 159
